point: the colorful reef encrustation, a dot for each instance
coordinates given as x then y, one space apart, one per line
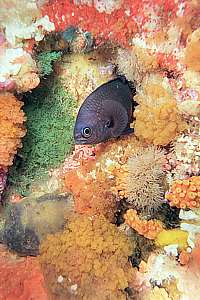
118 218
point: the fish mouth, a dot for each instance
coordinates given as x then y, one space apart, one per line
79 140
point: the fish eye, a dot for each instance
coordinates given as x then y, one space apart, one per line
86 132
109 124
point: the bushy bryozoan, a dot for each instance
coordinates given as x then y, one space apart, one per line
144 182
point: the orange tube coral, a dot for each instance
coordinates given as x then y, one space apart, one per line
149 229
89 260
185 193
12 129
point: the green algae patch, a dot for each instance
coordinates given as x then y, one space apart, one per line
50 112
45 61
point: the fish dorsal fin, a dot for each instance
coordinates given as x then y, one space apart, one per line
116 112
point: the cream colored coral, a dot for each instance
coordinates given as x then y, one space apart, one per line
143 182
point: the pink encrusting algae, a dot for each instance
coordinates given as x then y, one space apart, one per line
118 26
20 278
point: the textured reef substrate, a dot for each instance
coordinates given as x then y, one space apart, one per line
116 220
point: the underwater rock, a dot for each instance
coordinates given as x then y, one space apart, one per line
29 222
101 5
143 248
72 39
117 21
82 73
168 215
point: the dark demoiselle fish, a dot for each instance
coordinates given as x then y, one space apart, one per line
106 113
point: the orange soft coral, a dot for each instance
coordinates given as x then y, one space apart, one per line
89 260
91 195
158 120
12 129
185 193
20 278
92 178
149 229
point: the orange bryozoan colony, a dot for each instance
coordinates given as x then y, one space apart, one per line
89 260
185 193
12 129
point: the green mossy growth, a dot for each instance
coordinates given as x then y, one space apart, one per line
45 61
50 112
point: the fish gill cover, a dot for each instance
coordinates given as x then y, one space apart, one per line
133 229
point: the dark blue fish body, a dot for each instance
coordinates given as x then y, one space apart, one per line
106 113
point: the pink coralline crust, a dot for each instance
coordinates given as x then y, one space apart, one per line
81 153
119 26
169 162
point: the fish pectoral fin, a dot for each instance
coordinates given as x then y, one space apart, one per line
127 130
